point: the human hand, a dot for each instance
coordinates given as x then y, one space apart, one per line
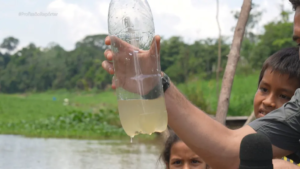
133 68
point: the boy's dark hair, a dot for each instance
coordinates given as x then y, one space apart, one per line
285 61
172 139
295 3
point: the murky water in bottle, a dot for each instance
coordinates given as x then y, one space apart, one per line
143 116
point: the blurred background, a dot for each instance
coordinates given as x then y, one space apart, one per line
56 106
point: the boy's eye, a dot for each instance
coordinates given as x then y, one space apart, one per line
285 97
195 161
262 89
177 162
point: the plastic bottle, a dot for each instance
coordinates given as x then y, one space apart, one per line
136 60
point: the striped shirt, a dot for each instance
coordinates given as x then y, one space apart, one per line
289 160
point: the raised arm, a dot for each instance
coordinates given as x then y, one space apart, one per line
216 144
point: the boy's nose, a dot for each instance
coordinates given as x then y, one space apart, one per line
186 166
269 101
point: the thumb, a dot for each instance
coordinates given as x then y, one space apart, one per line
155 46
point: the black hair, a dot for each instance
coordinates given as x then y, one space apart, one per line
295 3
172 139
285 61
166 154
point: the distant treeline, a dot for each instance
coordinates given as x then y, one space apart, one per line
34 68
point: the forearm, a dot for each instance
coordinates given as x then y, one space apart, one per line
216 144
281 164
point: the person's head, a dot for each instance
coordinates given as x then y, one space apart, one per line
177 155
278 81
296 7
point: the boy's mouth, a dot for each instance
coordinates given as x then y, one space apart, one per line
262 113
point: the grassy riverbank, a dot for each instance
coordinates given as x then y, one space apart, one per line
94 114
44 114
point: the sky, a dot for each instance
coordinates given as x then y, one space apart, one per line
69 21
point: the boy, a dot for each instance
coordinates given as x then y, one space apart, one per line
278 81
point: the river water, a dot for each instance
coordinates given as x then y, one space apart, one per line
17 152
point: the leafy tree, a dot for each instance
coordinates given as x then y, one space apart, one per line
277 35
9 43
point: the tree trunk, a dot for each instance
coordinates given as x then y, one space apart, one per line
219 52
233 58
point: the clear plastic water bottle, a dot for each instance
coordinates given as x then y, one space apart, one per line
137 69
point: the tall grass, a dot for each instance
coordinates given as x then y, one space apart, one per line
203 94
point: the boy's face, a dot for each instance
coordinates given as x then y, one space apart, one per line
274 90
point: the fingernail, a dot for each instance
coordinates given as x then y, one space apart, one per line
108 56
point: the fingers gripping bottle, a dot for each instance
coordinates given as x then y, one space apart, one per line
136 60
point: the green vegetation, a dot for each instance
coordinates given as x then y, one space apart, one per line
95 115
44 114
203 94
74 124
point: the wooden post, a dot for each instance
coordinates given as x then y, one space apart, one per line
233 58
219 52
